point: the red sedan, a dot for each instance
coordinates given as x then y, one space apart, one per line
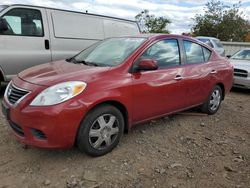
92 98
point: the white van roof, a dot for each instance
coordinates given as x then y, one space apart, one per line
25 5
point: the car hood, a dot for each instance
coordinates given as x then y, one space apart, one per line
241 64
60 71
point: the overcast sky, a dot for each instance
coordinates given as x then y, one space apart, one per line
179 12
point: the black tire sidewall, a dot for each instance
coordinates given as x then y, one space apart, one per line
207 104
83 133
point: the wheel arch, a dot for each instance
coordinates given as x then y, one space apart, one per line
221 85
120 106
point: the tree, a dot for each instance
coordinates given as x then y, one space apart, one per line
247 37
219 20
149 23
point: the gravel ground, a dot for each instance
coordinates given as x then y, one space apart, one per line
184 150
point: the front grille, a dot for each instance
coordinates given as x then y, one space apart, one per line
240 73
16 128
14 94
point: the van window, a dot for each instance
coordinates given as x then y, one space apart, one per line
77 26
24 22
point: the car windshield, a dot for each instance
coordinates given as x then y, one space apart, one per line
110 52
242 55
2 7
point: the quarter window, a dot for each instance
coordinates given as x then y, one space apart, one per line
207 54
165 52
24 22
194 52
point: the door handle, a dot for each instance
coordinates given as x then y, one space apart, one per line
213 72
46 44
178 77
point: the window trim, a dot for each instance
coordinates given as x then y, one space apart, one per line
185 55
137 58
22 34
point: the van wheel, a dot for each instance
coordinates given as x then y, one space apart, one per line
100 131
212 105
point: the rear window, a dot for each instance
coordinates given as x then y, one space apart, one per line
203 40
206 41
218 43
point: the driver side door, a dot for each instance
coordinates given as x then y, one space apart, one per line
161 91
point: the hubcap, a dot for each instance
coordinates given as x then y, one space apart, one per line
103 131
215 100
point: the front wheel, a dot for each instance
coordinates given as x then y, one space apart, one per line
212 105
100 131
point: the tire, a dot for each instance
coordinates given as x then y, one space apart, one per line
212 105
100 131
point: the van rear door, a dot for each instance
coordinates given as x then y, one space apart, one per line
26 43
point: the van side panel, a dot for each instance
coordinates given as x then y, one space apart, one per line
78 26
71 32
113 28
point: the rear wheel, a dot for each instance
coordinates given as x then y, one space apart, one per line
100 130
212 105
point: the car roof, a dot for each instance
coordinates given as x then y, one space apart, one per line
159 36
204 37
244 49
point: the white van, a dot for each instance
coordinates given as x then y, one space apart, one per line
31 35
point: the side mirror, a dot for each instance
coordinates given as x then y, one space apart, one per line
3 25
147 64
229 56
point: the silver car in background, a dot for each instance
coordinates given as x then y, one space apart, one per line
214 43
241 63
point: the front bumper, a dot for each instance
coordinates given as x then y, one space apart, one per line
241 82
47 127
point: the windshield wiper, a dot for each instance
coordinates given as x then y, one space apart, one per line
88 63
73 60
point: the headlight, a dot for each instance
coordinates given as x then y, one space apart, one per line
58 93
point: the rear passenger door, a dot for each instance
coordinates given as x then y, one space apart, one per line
197 73
26 42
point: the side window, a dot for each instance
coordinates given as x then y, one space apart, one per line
194 52
165 52
207 54
24 22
